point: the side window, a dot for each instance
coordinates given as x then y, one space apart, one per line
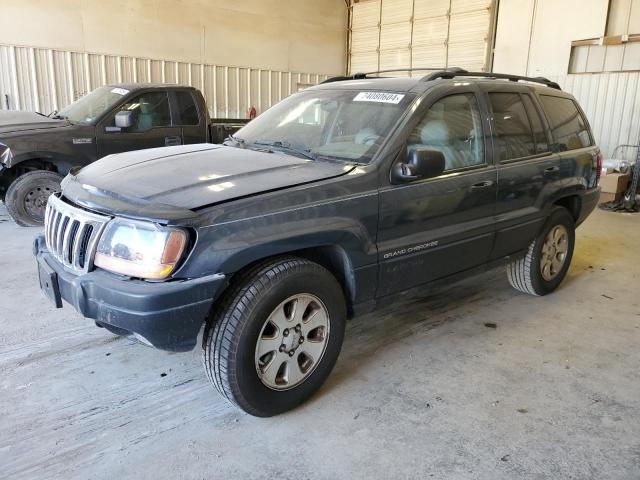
149 109
187 110
539 135
513 136
452 125
568 128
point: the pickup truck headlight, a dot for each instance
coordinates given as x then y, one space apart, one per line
140 249
5 155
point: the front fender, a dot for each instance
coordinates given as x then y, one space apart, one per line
349 223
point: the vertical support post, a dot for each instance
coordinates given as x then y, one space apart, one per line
103 66
34 79
53 81
87 74
226 92
71 82
14 78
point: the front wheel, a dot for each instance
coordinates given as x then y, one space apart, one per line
26 198
548 258
276 335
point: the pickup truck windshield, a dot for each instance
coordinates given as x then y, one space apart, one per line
89 108
346 125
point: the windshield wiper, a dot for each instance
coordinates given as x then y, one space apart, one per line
233 138
286 147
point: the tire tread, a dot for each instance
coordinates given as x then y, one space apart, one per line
224 326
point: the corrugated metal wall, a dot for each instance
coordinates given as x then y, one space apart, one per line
45 80
612 104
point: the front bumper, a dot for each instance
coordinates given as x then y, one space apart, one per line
168 315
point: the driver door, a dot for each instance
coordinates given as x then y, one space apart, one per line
152 126
435 227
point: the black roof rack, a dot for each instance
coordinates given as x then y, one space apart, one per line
459 72
448 73
364 75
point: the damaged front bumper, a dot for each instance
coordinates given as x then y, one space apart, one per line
166 315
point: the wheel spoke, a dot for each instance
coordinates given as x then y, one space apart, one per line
317 319
546 269
270 374
279 318
266 345
299 307
313 349
562 245
294 375
557 264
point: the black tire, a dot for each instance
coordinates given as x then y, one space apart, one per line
27 196
231 334
525 273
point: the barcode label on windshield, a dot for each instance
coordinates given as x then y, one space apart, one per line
382 97
119 91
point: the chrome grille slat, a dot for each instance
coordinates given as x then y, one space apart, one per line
77 246
72 234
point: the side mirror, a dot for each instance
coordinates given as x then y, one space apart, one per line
124 119
421 163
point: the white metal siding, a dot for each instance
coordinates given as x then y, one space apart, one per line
611 102
45 80
387 34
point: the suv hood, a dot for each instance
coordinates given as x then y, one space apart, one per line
192 176
17 121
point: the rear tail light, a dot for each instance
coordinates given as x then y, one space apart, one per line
598 167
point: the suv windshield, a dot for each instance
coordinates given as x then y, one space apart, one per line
339 124
87 109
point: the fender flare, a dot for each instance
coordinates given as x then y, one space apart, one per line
63 163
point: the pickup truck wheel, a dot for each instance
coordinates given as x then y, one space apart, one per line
276 335
27 196
547 260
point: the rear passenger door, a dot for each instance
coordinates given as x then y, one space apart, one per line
435 227
526 164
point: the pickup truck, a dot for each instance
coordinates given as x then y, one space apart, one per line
37 150
336 200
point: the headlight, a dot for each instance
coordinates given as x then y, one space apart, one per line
5 154
140 249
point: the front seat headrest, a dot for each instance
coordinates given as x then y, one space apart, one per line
434 132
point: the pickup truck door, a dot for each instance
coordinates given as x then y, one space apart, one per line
191 115
152 126
432 228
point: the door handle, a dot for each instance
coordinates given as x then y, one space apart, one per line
172 141
549 170
485 184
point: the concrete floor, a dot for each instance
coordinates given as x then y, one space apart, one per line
421 390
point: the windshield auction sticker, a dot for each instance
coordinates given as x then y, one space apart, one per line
119 91
381 97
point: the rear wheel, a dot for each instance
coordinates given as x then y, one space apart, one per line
548 258
27 196
276 335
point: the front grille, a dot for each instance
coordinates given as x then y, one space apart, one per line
72 233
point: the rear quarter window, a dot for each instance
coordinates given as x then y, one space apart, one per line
568 127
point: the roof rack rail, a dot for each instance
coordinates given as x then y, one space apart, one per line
459 72
364 75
